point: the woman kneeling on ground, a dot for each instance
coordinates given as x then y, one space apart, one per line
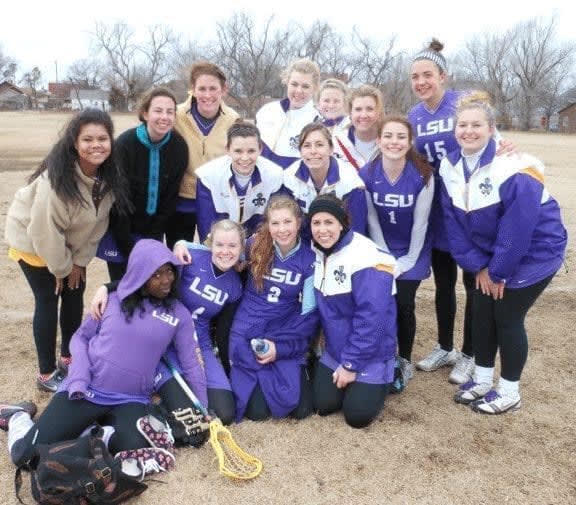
354 286
276 320
209 287
112 376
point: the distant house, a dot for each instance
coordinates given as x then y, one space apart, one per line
86 98
567 119
60 90
12 97
60 94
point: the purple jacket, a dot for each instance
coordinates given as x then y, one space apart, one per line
115 359
277 313
354 289
502 217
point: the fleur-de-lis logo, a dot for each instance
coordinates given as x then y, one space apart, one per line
339 275
485 187
259 201
294 142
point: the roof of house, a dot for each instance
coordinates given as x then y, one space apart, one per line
567 107
9 90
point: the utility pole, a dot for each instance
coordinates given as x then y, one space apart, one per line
56 65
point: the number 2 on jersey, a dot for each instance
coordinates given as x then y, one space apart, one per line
274 294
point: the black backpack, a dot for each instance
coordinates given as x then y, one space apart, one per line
77 472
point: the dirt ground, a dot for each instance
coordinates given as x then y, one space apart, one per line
422 449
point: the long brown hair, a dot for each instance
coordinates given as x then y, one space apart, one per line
412 155
262 249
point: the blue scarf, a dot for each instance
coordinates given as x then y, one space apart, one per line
153 166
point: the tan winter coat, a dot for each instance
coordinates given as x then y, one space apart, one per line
200 148
62 234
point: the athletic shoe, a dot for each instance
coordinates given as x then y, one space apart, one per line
138 463
397 385
63 367
437 359
7 410
51 384
471 391
157 433
463 370
406 369
495 402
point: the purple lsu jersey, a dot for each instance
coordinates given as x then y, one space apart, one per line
204 294
396 210
434 138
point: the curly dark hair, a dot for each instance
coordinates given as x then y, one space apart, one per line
60 163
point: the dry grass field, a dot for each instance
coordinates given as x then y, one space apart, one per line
423 448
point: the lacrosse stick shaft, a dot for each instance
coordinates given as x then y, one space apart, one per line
182 383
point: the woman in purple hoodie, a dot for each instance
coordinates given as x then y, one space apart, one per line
112 375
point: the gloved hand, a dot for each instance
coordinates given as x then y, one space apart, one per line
189 426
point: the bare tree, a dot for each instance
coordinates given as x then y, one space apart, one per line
536 59
132 66
7 67
553 95
85 74
374 59
32 80
117 43
485 61
182 57
252 59
157 50
326 47
396 87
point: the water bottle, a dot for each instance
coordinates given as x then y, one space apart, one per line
259 345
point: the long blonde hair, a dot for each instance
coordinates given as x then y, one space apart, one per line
262 249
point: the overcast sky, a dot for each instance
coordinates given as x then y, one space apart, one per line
39 32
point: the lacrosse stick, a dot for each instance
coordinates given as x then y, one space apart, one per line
232 460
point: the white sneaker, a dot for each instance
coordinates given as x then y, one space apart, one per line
463 370
139 463
497 402
437 359
471 392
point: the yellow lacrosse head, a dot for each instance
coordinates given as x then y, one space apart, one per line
232 460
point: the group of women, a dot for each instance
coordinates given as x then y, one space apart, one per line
345 211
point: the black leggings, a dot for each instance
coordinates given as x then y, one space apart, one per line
499 325
406 316
221 331
45 321
445 276
180 226
65 419
360 402
257 408
221 401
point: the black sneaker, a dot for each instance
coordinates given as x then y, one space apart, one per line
7 410
51 384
